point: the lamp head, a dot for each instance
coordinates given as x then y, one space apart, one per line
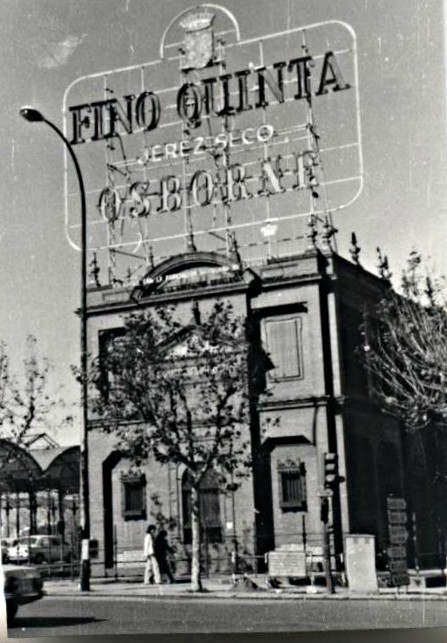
31 114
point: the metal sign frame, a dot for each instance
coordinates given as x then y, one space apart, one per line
270 224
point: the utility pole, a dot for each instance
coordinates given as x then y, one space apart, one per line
33 115
324 514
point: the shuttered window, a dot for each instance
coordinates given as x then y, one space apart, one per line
283 338
133 490
209 498
292 487
210 507
106 340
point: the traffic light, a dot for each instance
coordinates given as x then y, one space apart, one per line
330 470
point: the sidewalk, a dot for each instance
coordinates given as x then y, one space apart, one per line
223 588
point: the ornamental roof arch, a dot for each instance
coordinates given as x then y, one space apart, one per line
64 469
190 259
21 468
187 265
17 466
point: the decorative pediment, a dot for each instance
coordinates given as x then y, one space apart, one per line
191 342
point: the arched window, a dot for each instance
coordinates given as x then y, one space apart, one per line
209 508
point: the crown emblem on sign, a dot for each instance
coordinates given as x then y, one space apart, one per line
198 43
201 19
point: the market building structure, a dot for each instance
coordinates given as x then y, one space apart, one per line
39 488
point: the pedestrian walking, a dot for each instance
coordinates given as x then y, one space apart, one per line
162 553
151 571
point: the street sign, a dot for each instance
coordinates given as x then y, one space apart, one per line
397 518
398 535
396 552
400 540
287 563
398 566
397 531
396 504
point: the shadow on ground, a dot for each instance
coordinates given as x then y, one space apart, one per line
52 621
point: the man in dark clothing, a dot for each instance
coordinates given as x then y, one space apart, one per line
162 550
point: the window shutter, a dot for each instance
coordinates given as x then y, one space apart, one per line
209 507
283 343
133 496
209 498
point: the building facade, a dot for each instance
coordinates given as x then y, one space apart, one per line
308 310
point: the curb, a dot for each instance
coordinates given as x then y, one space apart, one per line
250 595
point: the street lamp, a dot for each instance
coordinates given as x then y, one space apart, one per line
34 116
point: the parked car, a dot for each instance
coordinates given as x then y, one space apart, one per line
5 544
21 585
39 550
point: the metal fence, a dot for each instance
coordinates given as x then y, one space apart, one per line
224 560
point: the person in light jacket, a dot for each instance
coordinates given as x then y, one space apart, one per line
151 571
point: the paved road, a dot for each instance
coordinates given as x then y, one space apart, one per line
85 615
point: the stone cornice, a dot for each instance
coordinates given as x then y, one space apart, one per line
203 292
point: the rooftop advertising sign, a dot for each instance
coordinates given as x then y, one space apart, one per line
220 139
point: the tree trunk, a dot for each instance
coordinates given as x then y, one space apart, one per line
196 583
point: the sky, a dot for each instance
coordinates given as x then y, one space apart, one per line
46 44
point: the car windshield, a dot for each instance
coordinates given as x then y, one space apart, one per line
27 540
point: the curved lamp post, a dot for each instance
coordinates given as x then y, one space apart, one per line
34 116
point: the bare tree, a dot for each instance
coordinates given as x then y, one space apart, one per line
24 400
406 348
182 393
24 404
